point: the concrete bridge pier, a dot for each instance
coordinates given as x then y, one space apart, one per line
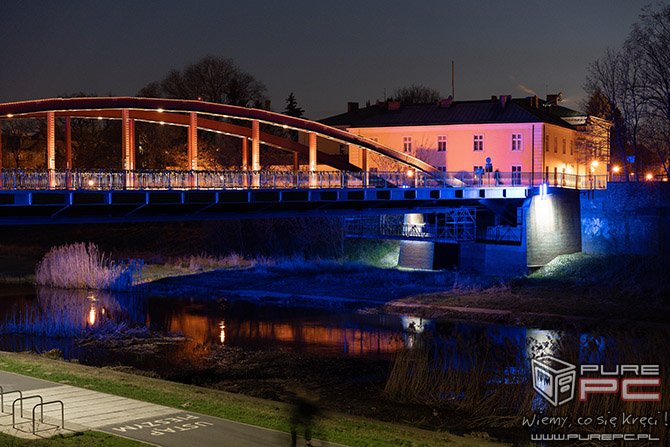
550 226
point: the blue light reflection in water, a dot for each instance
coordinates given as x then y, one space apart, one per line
44 319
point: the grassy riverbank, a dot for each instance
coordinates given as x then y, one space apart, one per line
80 439
573 288
336 427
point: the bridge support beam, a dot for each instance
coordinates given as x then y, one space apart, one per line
193 142
51 147
245 154
364 166
0 149
255 152
245 161
296 162
68 144
193 148
255 145
132 144
68 152
128 145
312 159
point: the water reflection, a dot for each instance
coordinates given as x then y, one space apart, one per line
47 318
254 326
65 313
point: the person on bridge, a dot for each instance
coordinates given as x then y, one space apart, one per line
496 176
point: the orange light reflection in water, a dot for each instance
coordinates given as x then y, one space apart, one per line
311 337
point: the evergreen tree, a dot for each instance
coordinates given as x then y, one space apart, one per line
292 108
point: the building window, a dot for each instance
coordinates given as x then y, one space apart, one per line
564 145
572 147
442 168
478 142
516 174
516 141
441 143
407 144
546 143
555 145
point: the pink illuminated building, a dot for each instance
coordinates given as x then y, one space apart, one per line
517 135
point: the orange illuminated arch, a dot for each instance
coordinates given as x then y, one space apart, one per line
176 112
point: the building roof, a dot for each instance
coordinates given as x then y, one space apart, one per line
458 112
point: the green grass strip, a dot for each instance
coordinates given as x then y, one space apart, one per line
79 439
334 427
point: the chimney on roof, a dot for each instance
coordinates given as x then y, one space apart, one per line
268 104
446 103
553 100
394 105
352 106
504 99
533 101
494 98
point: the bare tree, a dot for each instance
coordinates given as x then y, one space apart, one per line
212 79
615 87
650 42
22 143
416 94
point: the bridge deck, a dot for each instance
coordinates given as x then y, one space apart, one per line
38 197
65 206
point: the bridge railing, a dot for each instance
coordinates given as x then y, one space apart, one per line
174 179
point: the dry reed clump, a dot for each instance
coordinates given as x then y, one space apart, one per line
488 378
461 374
204 261
83 266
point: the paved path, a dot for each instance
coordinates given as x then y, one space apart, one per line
130 418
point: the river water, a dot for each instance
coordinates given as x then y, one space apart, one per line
42 319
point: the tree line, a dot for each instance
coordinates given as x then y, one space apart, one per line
96 144
630 88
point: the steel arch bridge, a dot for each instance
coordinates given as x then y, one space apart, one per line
196 115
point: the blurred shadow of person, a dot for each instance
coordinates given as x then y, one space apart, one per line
303 412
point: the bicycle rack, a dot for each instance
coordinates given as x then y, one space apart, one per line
42 405
22 399
2 398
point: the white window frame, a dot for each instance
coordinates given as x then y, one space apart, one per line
478 142
517 142
407 144
441 143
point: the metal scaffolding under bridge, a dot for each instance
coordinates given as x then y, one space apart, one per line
448 225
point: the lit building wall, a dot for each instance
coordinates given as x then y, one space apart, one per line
536 147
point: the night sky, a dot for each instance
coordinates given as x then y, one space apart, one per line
326 53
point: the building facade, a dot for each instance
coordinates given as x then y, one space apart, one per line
509 135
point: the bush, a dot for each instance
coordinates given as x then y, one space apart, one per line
82 266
